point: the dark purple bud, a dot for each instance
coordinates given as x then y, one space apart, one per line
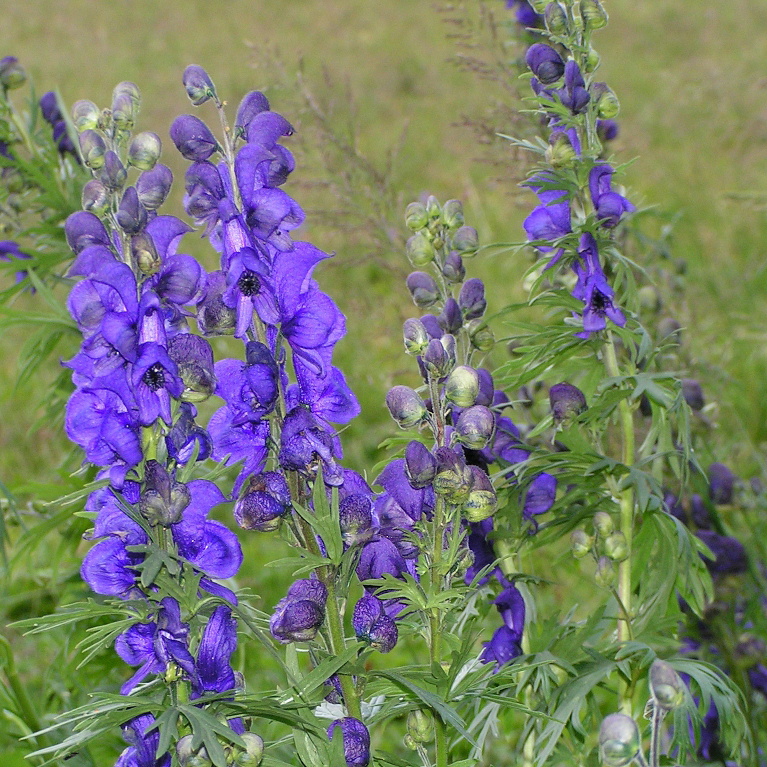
49 106
95 197
453 268
355 514
153 186
264 500
113 173
466 241
420 464
194 357
93 148
214 317
502 648
12 74
423 289
729 554
131 214
262 374
450 318
193 138
144 150
699 512
721 483
607 130
545 63
475 427
298 617
199 87
436 359
405 406
253 103
83 229
566 401
185 436
380 557
356 741
471 299
415 336
486 391
371 624
693 393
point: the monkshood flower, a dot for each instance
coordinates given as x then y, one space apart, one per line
551 219
574 95
371 624
593 289
143 743
545 63
305 442
185 436
525 13
729 554
213 671
10 251
356 741
540 496
721 483
298 616
264 501
608 205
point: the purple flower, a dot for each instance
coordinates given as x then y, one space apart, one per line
356 741
609 205
305 442
593 289
265 499
154 379
298 616
511 606
218 643
574 95
193 138
249 288
372 624
540 496
185 435
721 483
729 553
545 63
502 648
142 751
550 220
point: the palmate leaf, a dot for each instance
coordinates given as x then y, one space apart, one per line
322 672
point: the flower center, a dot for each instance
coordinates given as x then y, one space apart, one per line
249 283
599 301
154 378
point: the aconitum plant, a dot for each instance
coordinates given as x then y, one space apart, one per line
415 625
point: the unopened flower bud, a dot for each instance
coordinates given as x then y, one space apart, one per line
607 102
420 464
199 87
561 153
666 686
481 337
693 393
153 186
607 130
420 726
580 543
619 740
454 478
265 499
415 335
144 150
95 197
194 357
356 740
466 241
545 63
605 574
616 546
144 254
592 61
423 289
462 386
355 518
452 214
253 754
593 14
450 318
419 250
415 216
193 138
12 74
124 111
433 209
566 401
721 483
83 229
436 360
189 758
453 269
475 426
555 18
85 115
603 524
131 214
93 148
252 104
113 173
405 406
482 501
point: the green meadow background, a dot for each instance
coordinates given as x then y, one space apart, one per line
397 99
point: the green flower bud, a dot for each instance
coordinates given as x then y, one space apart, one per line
129 89
555 17
605 574
539 6
410 743
475 427
580 543
415 335
105 123
420 726
462 386
415 216
405 406
144 150
12 74
123 112
85 115
560 153
419 250
482 501
666 686
592 61
253 754
144 254
616 546
95 197
607 102
433 209
603 524
93 148
618 740
466 241
482 338
454 486
199 86
649 298
452 214
593 14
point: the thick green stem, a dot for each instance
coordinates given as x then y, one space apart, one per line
657 719
626 514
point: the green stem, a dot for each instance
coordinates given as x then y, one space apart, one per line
626 513
657 719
